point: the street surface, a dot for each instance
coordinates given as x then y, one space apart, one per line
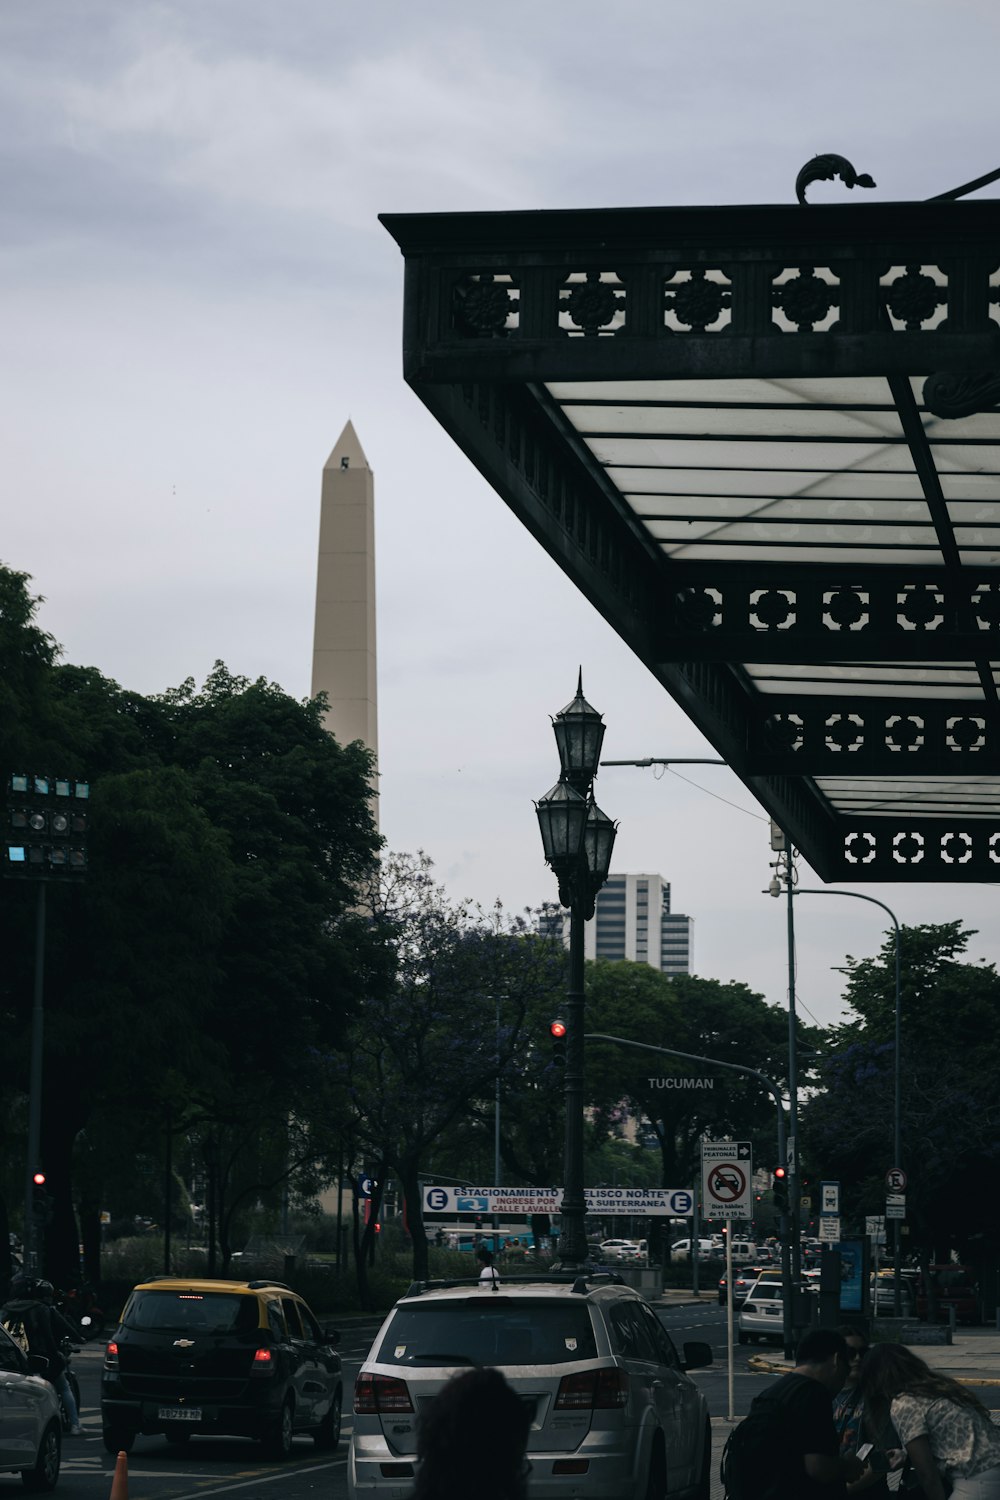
233 1466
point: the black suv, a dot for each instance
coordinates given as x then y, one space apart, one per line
240 1357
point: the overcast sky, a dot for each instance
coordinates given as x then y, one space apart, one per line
197 294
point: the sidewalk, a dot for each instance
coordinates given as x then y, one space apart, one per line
973 1357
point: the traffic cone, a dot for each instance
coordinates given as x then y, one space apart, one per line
119 1485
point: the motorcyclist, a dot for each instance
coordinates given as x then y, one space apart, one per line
30 1304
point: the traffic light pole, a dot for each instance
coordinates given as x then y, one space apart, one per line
31 1229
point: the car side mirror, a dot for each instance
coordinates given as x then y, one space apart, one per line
697 1356
37 1364
330 1334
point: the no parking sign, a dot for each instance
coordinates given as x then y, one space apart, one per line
726 1176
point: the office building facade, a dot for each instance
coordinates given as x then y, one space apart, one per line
633 920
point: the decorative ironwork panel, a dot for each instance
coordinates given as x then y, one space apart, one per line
872 288
918 849
775 613
817 735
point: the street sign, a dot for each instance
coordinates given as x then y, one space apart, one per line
895 1180
726 1171
829 1228
895 1205
875 1224
829 1198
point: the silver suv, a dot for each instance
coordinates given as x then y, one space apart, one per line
614 1414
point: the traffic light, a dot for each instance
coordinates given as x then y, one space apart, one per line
41 1201
779 1187
557 1031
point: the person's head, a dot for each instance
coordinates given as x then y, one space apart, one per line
889 1370
822 1354
475 1427
22 1285
856 1340
44 1291
485 1255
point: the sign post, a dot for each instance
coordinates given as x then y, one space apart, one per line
726 1179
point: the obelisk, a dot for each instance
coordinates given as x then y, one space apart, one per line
344 655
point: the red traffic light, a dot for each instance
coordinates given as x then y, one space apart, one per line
557 1029
39 1179
780 1174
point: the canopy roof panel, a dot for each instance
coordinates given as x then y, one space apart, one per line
765 443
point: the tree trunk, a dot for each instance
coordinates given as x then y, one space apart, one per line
415 1221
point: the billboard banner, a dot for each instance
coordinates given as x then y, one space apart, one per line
676 1203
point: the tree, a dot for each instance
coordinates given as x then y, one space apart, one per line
950 1115
727 1022
426 1049
213 953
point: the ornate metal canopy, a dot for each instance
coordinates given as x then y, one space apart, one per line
764 442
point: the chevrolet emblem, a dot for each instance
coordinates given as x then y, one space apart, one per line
183 1343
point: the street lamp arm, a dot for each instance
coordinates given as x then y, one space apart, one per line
713 1062
805 890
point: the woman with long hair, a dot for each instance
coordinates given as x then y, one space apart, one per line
950 1441
849 1416
471 1440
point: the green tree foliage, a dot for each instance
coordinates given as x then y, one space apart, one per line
950 1059
211 956
427 1051
726 1022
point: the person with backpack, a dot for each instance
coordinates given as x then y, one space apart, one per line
37 1327
788 1448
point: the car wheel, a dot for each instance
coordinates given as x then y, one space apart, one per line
743 1337
278 1440
755 1338
44 1476
656 1482
327 1434
118 1440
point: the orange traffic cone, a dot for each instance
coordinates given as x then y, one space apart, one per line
119 1485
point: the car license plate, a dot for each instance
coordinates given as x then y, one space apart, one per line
772 1312
180 1413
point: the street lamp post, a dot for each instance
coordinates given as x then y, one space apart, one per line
897 1111
577 839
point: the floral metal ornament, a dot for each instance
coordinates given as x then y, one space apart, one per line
825 168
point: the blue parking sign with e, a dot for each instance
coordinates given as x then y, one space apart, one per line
681 1204
437 1199
476 1204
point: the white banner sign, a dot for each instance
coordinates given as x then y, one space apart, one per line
675 1203
829 1229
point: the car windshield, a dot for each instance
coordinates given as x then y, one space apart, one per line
190 1312
489 1331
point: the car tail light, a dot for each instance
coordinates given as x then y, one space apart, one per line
381 1393
111 1356
263 1362
593 1390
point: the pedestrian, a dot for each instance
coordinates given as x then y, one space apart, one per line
473 1436
29 1308
852 1428
787 1448
950 1443
488 1271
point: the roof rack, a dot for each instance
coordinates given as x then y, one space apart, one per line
579 1281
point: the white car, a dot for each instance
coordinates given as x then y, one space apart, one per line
681 1250
615 1416
30 1429
760 1315
619 1249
